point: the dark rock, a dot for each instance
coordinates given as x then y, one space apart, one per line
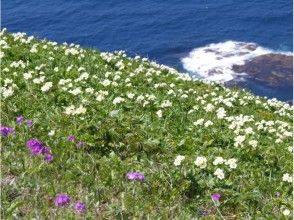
274 70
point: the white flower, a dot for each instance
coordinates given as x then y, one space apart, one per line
209 107
201 162
100 95
159 113
69 110
290 149
253 143
286 212
39 80
7 81
130 95
199 122
27 76
6 92
106 82
51 133
219 173
34 49
80 110
118 100
287 178
221 113
75 91
72 111
166 103
56 69
46 87
178 160
232 163
89 90
218 160
208 123
248 130
239 140
140 98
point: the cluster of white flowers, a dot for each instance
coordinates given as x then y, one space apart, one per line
221 113
159 113
34 49
130 95
286 212
232 163
7 89
75 91
72 110
201 162
39 80
253 143
166 104
100 95
201 122
287 178
179 160
209 107
118 100
18 64
239 140
83 76
219 173
46 87
71 51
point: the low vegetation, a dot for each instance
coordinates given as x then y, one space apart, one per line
93 135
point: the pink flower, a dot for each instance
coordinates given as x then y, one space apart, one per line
61 199
80 207
216 196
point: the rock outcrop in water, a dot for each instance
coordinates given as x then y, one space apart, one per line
274 70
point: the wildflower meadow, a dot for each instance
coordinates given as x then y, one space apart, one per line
97 135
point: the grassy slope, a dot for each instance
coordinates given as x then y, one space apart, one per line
130 136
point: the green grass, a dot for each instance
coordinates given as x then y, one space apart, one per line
130 136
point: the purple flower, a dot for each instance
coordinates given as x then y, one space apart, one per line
5 131
35 146
80 207
45 150
61 199
29 123
71 138
49 157
135 176
19 119
215 196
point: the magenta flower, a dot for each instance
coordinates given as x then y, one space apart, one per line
80 207
5 131
35 146
49 157
137 176
29 123
71 138
19 119
216 196
61 199
45 150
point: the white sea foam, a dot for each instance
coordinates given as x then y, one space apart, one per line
214 62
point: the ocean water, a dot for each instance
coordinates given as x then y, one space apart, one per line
173 32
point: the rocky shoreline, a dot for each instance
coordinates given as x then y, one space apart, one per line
274 70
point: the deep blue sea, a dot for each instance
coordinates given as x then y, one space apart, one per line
164 31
